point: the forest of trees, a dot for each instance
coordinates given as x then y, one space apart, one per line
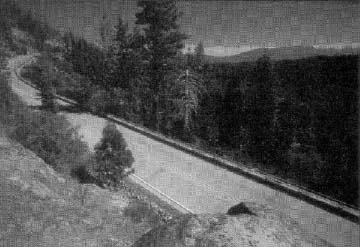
296 119
13 16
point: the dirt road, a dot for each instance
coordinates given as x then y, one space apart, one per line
199 185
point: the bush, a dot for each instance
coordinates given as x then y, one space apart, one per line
53 139
99 101
141 211
113 158
48 135
84 174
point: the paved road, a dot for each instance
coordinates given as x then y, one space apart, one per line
201 186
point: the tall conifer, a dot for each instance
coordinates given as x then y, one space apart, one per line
162 42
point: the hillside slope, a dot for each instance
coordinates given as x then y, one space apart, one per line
283 53
41 208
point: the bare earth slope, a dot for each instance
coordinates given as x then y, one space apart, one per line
38 207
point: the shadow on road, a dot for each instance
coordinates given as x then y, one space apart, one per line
61 108
70 109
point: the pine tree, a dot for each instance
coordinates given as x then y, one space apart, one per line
162 42
47 97
123 55
105 30
124 70
5 30
121 36
199 55
47 89
113 157
261 109
186 94
69 41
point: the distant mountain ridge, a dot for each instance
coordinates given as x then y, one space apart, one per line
283 53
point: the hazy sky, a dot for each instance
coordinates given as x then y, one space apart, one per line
226 27
242 25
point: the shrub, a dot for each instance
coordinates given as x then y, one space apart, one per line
84 174
53 139
113 158
98 101
48 135
141 211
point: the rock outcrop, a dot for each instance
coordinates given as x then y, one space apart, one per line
245 225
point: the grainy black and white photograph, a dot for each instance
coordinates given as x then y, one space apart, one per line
179 123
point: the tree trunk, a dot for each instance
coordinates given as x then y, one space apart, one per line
154 118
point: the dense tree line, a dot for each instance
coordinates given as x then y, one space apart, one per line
297 117
12 16
143 76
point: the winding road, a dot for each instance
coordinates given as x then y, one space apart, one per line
192 184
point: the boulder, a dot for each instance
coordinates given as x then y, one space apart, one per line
245 225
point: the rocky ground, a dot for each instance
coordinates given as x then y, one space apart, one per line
246 226
39 207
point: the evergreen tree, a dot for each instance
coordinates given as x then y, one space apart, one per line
186 94
105 30
113 157
47 97
124 71
5 30
121 36
47 89
140 94
69 41
162 42
199 55
260 111
123 56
